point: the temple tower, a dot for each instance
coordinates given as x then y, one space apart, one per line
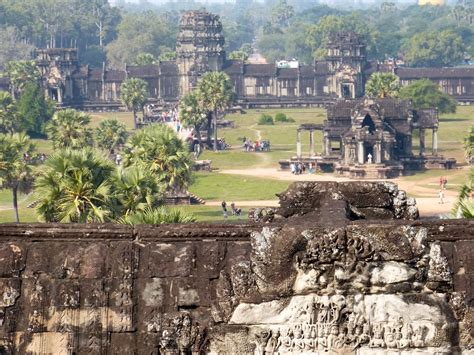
346 55
56 66
200 47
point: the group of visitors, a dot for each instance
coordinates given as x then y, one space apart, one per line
256 146
235 211
39 158
298 168
442 186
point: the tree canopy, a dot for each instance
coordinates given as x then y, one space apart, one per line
382 85
426 94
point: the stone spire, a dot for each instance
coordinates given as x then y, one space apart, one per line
200 47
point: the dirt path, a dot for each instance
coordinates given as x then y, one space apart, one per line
427 199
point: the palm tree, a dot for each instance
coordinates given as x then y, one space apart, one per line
464 206
159 215
110 134
215 94
158 149
469 146
134 93
135 189
68 129
75 187
15 171
9 122
382 85
192 114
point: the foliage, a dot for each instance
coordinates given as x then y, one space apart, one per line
134 94
191 113
110 134
68 129
159 215
21 73
239 55
35 110
15 170
469 146
75 187
215 94
135 189
282 13
141 33
9 121
265 119
464 206
281 117
382 85
12 47
158 149
426 94
167 54
144 59
435 49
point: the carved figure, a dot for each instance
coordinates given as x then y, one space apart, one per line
418 339
377 337
273 343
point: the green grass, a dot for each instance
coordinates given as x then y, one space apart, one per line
204 213
214 186
124 117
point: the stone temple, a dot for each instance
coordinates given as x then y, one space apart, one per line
338 269
372 138
200 48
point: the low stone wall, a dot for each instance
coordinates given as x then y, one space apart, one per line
300 284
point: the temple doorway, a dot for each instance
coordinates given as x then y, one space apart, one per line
346 91
369 149
369 122
53 92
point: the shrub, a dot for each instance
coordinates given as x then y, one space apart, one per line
281 117
265 119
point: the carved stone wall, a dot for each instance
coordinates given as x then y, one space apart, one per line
296 285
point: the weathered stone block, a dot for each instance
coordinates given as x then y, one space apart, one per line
171 260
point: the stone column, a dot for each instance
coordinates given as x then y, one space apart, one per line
311 143
435 141
378 152
360 153
422 141
327 144
298 144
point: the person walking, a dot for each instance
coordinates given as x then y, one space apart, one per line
441 196
224 208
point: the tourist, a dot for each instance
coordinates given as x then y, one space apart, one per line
292 168
224 208
118 159
441 196
445 182
441 182
235 211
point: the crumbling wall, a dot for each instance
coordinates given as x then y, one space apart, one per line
296 285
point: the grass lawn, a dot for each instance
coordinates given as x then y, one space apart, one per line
214 186
204 213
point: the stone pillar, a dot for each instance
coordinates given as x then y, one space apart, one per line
422 141
298 144
327 144
347 153
378 152
435 141
360 153
311 143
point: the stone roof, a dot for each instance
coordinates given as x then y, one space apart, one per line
307 71
115 75
322 68
233 67
391 108
287 73
95 74
143 71
260 69
344 38
168 68
432 73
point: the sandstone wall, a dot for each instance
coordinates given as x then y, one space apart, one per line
308 282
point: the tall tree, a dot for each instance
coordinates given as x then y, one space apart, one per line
12 46
110 134
22 73
192 114
215 94
158 149
426 94
69 129
35 110
134 93
74 187
15 170
382 85
9 121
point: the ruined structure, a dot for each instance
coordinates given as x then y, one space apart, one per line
372 138
341 269
200 48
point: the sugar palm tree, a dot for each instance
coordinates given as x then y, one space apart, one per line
382 85
75 186
110 134
464 206
15 171
135 189
158 149
21 73
68 129
134 93
215 94
192 114
158 215
9 122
